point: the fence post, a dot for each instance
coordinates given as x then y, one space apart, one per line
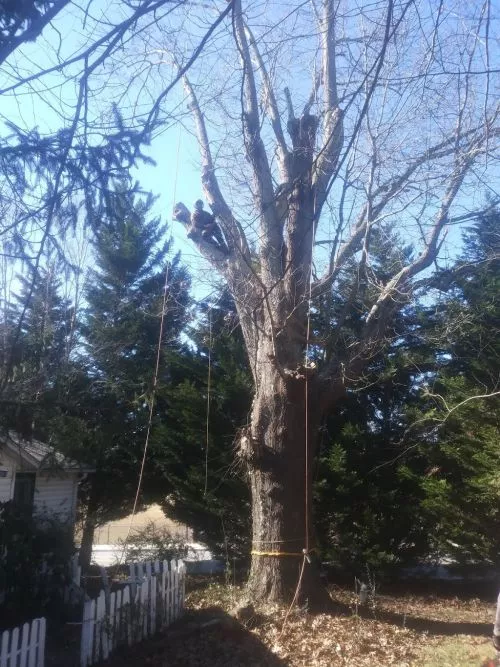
143 617
105 585
183 585
14 643
175 574
133 579
99 621
126 614
23 650
4 648
163 603
87 633
152 606
33 644
118 621
42 626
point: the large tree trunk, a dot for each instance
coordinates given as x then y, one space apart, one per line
282 556
85 555
90 524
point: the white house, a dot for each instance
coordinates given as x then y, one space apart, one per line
35 476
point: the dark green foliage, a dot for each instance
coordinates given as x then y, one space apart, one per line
125 297
33 561
208 491
408 465
367 496
35 358
18 19
463 491
121 329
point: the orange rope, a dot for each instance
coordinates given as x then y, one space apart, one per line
306 435
306 551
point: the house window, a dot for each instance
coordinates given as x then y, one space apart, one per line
24 490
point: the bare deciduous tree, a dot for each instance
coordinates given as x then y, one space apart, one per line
323 126
396 133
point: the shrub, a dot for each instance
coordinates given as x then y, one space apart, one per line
34 555
153 543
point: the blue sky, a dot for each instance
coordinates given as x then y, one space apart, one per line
173 178
176 176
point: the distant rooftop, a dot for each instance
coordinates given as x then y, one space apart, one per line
39 455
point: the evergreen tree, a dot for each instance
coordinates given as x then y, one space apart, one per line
121 330
208 401
366 500
463 492
39 354
409 467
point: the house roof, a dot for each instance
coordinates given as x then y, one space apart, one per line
39 455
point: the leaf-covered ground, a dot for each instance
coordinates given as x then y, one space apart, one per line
400 629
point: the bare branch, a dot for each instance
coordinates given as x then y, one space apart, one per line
235 237
270 242
429 254
271 107
387 191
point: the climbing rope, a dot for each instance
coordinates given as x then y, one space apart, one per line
306 551
209 382
156 372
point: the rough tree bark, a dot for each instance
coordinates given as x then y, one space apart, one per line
89 525
273 287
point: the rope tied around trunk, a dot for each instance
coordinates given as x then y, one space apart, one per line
279 554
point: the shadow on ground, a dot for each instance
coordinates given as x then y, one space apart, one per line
206 638
418 623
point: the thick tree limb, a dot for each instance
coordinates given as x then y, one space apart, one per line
270 241
235 237
271 106
332 135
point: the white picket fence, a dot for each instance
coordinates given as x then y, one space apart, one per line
24 646
152 600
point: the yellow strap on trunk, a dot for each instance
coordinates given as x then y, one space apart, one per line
278 554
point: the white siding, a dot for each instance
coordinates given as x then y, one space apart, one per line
6 486
7 483
55 494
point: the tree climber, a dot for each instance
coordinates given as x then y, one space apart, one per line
200 224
